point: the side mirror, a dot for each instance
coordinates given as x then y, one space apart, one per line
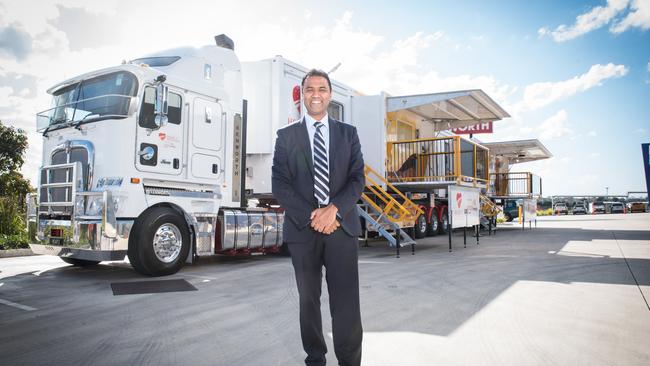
160 108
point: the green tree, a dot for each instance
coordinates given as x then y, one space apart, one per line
13 188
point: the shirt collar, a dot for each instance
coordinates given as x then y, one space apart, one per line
310 120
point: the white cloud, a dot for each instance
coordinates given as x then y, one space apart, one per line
614 13
640 131
587 22
555 126
541 94
592 133
639 17
369 61
594 155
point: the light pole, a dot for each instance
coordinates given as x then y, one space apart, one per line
606 191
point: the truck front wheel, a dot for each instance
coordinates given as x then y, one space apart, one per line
160 243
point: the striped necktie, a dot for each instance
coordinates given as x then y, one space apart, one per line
321 168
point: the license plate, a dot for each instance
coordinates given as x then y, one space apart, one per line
56 241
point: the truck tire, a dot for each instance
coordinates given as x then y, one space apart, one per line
420 227
432 227
160 242
508 217
79 262
444 223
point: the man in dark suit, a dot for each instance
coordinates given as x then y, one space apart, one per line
318 178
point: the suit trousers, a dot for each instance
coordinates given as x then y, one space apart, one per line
338 253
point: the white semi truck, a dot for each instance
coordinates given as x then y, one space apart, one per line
151 158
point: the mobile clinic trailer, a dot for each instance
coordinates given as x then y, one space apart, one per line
407 139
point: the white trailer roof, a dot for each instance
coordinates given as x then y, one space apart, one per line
450 109
519 151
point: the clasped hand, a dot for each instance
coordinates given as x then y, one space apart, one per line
324 219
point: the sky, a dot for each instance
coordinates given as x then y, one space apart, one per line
573 74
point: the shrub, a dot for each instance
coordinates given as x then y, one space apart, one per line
15 241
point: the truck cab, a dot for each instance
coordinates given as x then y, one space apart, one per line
140 158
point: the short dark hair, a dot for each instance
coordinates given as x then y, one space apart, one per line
316 72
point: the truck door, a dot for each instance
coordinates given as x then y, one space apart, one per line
160 150
207 140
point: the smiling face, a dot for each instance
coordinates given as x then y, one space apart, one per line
316 95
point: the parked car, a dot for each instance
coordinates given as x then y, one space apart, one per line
597 207
637 207
579 210
617 207
511 209
561 208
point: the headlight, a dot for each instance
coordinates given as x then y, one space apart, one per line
117 202
94 206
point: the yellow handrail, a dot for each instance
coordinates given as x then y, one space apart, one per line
437 159
404 213
488 207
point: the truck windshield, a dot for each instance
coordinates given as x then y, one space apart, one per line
102 97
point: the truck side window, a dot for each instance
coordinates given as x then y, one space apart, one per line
174 104
147 116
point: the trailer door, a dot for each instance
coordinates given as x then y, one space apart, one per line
369 115
160 150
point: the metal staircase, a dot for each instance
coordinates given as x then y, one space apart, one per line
387 213
488 207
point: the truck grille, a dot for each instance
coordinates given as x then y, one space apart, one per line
69 171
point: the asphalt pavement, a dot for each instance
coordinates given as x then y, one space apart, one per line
572 291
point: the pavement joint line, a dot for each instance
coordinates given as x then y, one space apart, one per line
630 269
17 305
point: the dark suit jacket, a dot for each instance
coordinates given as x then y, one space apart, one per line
293 178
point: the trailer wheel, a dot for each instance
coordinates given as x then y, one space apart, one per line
420 227
508 217
161 243
79 262
432 227
444 222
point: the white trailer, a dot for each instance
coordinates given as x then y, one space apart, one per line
272 89
407 140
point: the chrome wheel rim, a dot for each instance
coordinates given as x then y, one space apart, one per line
167 243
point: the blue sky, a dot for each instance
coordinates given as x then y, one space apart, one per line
574 74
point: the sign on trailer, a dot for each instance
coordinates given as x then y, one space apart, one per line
530 209
464 205
484 127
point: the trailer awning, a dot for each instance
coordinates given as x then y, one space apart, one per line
451 109
520 151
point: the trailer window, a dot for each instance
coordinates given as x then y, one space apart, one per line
147 115
335 110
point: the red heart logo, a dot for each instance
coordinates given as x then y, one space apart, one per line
162 135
